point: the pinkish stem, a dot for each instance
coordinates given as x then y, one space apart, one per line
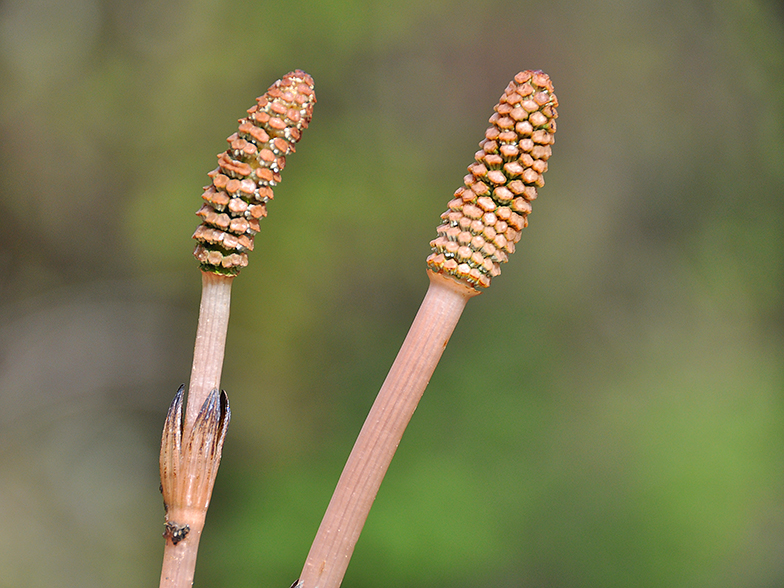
210 343
373 451
190 450
179 561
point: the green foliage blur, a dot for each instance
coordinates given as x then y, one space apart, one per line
609 413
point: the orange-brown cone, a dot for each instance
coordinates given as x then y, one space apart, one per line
487 214
242 184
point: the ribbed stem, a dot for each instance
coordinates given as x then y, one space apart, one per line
210 342
479 232
235 201
191 447
188 469
373 451
179 561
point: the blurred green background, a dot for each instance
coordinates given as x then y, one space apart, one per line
609 413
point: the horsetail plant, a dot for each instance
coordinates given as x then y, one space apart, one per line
479 231
235 202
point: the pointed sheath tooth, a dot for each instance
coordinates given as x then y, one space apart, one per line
252 164
200 451
171 448
189 466
508 169
223 425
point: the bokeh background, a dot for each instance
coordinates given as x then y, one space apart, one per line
609 413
